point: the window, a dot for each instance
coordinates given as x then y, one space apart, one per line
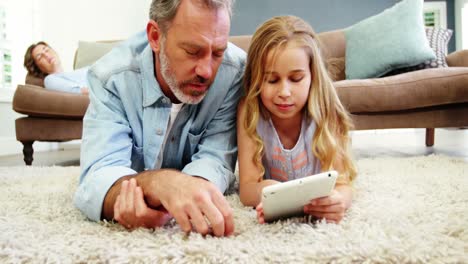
435 14
18 26
5 52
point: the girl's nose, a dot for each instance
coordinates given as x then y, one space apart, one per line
285 90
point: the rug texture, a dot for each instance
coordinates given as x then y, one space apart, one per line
406 210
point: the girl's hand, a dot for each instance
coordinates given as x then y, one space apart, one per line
332 207
260 215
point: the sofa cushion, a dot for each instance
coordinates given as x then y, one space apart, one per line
412 90
242 42
392 39
89 52
39 102
438 40
458 58
48 129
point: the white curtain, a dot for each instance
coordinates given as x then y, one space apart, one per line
461 24
464 26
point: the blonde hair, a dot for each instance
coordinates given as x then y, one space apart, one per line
330 143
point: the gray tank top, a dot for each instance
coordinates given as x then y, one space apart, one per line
287 164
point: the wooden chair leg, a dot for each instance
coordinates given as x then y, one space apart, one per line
28 152
430 137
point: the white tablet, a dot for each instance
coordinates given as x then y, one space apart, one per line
288 198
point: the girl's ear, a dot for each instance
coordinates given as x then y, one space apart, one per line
154 34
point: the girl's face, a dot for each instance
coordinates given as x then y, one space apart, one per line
285 89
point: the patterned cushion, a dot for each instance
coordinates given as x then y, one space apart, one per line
438 40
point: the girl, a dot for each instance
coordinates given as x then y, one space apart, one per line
291 123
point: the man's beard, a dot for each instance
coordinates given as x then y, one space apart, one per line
176 88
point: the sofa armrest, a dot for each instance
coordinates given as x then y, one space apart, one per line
39 102
458 59
33 80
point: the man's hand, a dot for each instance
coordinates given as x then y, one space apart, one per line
131 211
195 201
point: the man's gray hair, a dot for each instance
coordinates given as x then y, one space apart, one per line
164 11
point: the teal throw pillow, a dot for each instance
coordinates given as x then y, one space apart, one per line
390 40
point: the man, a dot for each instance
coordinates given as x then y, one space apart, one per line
159 134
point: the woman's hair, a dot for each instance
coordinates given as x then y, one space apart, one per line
29 62
330 143
164 11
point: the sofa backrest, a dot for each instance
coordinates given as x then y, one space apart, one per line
89 52
333 45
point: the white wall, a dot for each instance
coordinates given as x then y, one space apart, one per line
65 22
461 24
62 23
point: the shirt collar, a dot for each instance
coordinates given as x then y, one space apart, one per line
151 89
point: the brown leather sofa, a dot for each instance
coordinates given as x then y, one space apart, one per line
428 99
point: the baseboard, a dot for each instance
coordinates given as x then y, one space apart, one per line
10 146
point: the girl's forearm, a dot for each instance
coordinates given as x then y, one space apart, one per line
250 193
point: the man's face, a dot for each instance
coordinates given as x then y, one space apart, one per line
191 52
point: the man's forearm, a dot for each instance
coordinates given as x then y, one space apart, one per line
109 200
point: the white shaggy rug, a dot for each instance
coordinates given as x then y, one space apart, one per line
406 210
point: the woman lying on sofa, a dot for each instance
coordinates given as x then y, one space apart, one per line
42 61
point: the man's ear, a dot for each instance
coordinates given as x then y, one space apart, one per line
153 31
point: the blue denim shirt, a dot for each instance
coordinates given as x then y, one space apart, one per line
126 122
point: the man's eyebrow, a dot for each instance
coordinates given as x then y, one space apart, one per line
196 46
221 49
191 45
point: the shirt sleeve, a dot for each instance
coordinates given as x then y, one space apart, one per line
217 148
106 148
70 82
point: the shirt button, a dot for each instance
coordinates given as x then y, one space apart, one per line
159 132
172 139
164 101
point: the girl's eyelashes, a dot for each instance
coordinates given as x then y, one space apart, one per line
273 80
296 78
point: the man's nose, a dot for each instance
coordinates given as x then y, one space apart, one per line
203 68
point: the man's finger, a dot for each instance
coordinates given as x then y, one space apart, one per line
140 205
197 218
214 216
182 219
130 197
226 211
150 217
123 195
117 208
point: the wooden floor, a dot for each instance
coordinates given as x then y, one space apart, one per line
370 143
